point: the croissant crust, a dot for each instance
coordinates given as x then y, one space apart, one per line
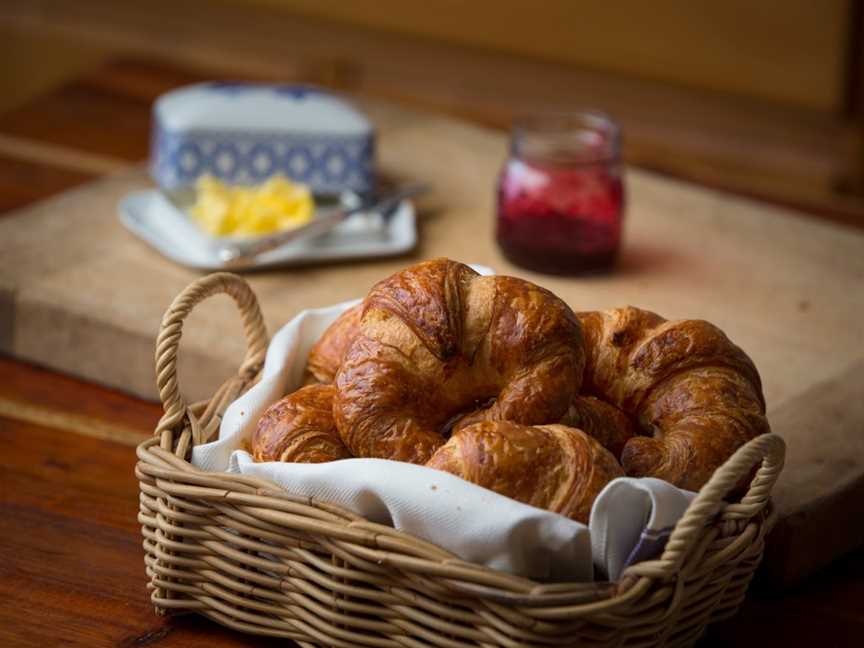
696 394
326 356
554 467
437 340
300 428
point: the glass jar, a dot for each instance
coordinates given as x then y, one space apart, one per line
560 194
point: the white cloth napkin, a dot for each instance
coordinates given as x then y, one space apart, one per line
630 519
472 522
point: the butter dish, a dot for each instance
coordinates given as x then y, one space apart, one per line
161 223
243 133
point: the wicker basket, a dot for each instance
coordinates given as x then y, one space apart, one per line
250 556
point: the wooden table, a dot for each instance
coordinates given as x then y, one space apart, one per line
72 570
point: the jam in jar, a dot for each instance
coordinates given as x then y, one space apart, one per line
560 194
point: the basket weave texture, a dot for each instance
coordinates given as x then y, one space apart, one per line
250 556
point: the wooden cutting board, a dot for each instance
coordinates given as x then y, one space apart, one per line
79 294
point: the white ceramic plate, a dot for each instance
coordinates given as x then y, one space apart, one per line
155 220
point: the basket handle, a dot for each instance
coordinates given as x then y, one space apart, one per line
169 340
767 449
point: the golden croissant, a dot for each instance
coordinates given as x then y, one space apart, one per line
553 467
437 340
300 428
696 394
326 356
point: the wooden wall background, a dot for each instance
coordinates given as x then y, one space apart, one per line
790 51
32 63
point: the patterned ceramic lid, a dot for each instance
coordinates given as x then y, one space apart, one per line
244 133
257 107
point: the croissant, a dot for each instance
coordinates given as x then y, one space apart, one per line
684 382
300 428
436 340
554 467
603 422
326 356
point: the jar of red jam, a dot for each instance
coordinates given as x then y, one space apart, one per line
560 194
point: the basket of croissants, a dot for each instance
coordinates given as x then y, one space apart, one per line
491 382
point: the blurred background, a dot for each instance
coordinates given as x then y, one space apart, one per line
765 99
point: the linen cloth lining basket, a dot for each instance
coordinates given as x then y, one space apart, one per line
250 556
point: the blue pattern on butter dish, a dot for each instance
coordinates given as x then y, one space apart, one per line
244 133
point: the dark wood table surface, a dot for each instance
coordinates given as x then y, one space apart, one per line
71 565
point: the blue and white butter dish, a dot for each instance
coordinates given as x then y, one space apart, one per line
243 133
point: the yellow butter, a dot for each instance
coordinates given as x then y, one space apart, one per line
226 210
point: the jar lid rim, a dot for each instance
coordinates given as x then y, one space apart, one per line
567 120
